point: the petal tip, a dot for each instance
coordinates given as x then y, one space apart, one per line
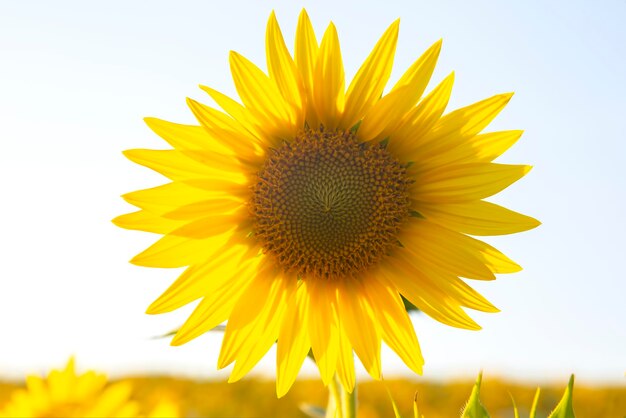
152 309
507 96
234 378
234 55
140 260
191 103
177 341
436 47
534 223
129 153
281 390
117 221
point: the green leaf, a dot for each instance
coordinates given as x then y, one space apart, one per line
565 409
416 412
515 411
474 408
396 412
533 408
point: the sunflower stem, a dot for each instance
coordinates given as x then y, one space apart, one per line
348 402
334 408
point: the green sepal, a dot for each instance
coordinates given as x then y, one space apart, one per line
355 127
415 214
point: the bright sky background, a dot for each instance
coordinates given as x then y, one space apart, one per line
76 79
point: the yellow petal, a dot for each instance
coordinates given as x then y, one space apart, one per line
322 326
444 250
219 298
232 135
459 125
443 282
282 69
478 148
165 198
357 319
200 280
305 53
147 221
211 225
391 108
235 165
395 325
265 284
419 73
176 165
403 139
329 80
252 330
369 82
175 251
220 188
238 112
293 342
345 361
487 147
465 182
184 136
447 248
466 296
201 209
429 299
477 218
259 92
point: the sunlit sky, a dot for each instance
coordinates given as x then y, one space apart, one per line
76 79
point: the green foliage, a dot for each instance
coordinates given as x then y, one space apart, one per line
533 408
396 412
565 409
474 408
416 412
515 411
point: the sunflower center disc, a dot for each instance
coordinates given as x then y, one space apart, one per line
325 205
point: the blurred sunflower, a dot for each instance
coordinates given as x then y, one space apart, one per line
65 394
307 211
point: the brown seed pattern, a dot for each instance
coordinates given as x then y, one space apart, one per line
326 205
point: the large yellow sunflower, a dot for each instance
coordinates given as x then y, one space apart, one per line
304 212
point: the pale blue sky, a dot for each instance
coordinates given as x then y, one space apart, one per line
76 79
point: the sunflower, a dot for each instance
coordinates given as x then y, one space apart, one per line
306 211
65 394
